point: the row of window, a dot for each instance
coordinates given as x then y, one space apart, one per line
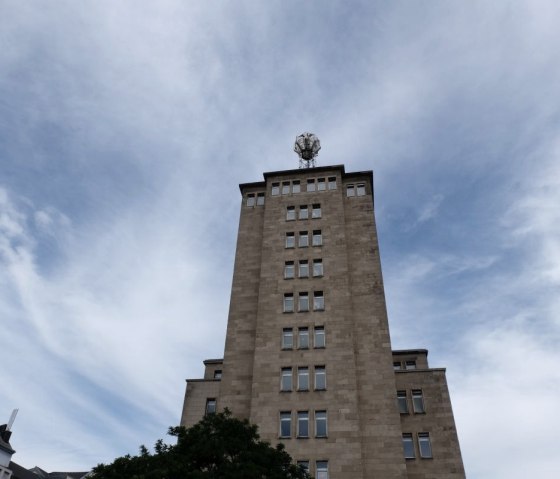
303 302
303 268
417 401
302 424
321 468
303 212
398 365
303 239
424 445
303 383
303 338
253 199
312 184
356 190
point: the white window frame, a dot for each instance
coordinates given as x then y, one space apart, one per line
290 240
285 418
318 301
290 213
317 238
317 268
311 182
296 186
402 402
303 213
418 401
407 440
303 268
287 333
319 331
303 333
321 469
286 380
288 303
303 239
425 445
260 199
303 374
320 371
275 190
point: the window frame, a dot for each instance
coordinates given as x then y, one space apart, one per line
321 184
211 406
302 420
321 469
311 181
303 239
318 271
318 301
301 214
410 365
289 270
418 405
303 376
317 239
260 199
402 402
423 442
316 334
408 446
288 305
303 333
285 418
321 417
303 302
275 189
319 371
296 186
350 191
360 189
303 268
290 213
285 188
316 212
286 380
287 333
218 374
290 241
251 200
331 183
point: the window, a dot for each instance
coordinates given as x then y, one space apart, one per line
275 189
350 190
320 423
303 424
303 212
303 304
286 381
408 446
290 213
287 338
289 269
285 187
321 470
303 268
250 199
286 424
321 185
210 406
316 213
410 365
303 338
418 401
288 303
361 189
296 188
290 240
320 378
402 402
303 379
317 267
310 185
332 183
218 374
424 445
317 238
318 301
303 239
319 339
304 465
396 365
260 199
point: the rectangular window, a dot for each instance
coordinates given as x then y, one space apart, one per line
275 189
424 445
396 365
321 470
418 401
410 365
317 267
320 378
310 185
303 338
360 189
303 239
296 188
319 337
320 423
318 301
303 379
332 183
316 213
288 303
303 268
303 304
289 270
290 240
290 213
287 338
303 424
350 190
250 199
303 212
285 187
218 374
286 381
304 465
321 184
317 238
402 402
210 406
408 446
260 199
285 424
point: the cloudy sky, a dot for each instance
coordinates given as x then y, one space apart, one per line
126 127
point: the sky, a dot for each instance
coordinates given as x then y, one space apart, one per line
126 127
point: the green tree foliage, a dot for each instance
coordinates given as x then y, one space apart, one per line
218 447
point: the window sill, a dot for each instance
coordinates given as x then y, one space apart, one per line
302 437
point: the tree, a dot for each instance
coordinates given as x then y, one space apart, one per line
218 447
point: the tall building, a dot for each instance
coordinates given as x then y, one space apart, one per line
308 355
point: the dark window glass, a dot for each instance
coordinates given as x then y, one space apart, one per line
424 445
210 406
286 381
402 402
286 424
321 423
320 378
303 424
408 446
218 374
303 379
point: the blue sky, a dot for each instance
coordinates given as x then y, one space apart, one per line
125 128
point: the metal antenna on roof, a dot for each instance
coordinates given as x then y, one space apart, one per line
307 147
12 419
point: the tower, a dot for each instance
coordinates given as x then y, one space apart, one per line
308 355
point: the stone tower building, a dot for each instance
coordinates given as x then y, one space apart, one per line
308 355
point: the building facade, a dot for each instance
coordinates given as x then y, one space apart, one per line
308 355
